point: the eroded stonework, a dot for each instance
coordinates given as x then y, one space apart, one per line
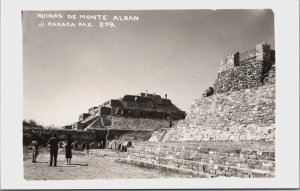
229 133
146 112
245 70
245 115
242 107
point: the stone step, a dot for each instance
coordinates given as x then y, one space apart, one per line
198 154
89 118
213 169
211 146
252 163
191 154
206 150
163 167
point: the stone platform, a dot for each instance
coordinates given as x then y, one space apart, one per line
206 159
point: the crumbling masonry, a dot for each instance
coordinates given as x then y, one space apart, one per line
229 133
243 105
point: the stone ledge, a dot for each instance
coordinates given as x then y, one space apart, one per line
253 165
163 167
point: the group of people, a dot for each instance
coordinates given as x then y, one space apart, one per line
53 143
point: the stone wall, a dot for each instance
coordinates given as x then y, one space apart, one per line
146 124
245 115
124 135
43 135
242 77
270 77
213 159
145 107
245 70
128 135
143 113
247 56
229 133
230 61
83 116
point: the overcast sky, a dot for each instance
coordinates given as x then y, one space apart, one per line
67 70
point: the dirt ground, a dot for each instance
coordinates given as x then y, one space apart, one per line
100 164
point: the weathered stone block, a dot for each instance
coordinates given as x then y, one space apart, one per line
270 175
258 175
195 168
220 173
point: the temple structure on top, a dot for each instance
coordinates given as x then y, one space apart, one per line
146 112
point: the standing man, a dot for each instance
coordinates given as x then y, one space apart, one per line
53 142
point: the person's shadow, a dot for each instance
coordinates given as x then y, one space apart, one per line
72 165
78 164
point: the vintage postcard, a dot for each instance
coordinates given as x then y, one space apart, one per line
189 96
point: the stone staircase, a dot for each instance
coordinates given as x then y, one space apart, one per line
202 160
89 119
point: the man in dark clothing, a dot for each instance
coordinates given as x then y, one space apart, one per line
53 142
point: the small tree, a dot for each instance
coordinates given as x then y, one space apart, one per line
33 122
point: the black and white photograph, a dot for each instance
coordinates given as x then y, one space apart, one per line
139 95
149 94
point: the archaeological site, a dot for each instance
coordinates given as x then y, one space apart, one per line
228 132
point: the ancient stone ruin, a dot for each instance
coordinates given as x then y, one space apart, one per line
42 135
131 117
230 132
131 112
243 106
245 70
